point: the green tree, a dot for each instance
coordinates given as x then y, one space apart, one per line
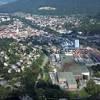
92 88
28 80
4 92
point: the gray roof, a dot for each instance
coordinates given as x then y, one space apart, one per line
69 65
68 76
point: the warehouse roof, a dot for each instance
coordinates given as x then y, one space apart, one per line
69 65
67 76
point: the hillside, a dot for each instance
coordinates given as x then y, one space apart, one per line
63 6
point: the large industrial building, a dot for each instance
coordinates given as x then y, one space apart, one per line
72 64
79 71
66 80
68 44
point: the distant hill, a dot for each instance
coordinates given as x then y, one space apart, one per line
2 2
62 6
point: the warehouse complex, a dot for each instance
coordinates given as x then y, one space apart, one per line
71 68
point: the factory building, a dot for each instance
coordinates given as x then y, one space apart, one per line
71 75
66 80
80 71
68 46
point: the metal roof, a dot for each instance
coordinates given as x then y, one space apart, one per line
67 76
69 65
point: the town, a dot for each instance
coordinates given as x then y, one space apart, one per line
53 45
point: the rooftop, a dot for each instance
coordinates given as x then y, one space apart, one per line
68 76
69 65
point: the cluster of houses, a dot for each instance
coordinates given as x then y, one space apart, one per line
16 59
